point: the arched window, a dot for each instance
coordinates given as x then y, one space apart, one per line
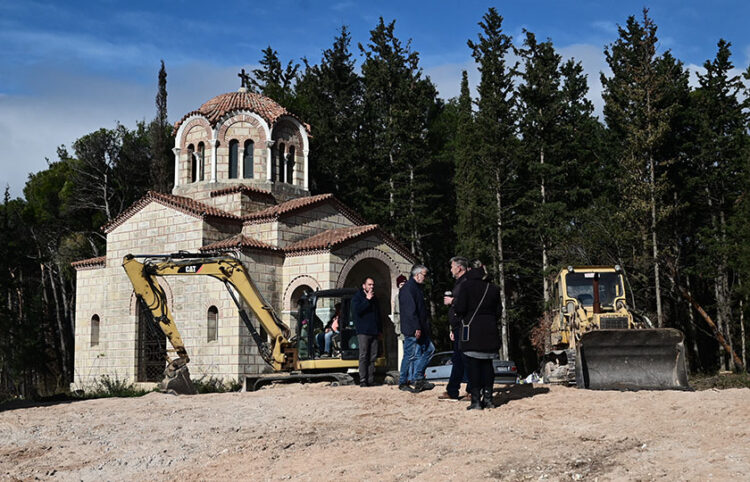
247 160
212 324
281 160
201 161
233 158
95 330
290 166
191 163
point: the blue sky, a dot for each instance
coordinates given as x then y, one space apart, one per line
70 67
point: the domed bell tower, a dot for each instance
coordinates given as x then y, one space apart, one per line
241 142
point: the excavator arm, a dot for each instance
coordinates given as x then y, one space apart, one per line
281 355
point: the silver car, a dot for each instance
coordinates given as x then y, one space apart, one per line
439 369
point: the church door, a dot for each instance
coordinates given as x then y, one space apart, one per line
152 347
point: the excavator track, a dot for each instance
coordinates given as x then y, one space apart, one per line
255 382
560 368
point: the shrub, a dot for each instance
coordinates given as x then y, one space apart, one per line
216 385
107 386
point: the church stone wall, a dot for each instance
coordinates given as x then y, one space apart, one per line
309 223
107 292
268 232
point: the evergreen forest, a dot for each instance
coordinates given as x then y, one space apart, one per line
518 172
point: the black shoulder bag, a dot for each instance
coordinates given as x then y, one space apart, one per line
466 327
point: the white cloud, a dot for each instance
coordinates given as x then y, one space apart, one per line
605 26
66 106
447 77
592 59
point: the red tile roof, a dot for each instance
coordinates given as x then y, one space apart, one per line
217 108
330 239
335 238
239 241
249 191
180 203
98 262
280 210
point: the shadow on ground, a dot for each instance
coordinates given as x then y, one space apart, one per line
42 402
508 393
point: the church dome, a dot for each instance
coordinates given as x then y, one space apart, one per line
218 107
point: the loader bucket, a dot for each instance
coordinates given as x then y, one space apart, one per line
632 360
177 381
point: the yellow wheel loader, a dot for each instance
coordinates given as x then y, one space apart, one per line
594 341
291 359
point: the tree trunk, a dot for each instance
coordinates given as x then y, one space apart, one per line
720 320
501 269
691 327
655 248
545 265
61 330
742 331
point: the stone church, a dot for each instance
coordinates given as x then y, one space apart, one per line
241 186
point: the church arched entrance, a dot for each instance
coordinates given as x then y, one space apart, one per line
152 345
381 273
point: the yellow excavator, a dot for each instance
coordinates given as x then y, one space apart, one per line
594 341
291 359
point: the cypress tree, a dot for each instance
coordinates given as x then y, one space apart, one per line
473 206
160 133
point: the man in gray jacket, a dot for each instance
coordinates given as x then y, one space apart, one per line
415 327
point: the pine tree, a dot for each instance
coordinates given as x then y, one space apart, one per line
330 99
275 81
541 110
721 143
640 107
496 119
398 108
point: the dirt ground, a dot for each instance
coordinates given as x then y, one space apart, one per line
316 432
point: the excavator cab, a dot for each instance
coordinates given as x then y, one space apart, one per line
315 310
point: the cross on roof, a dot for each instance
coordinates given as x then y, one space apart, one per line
245 78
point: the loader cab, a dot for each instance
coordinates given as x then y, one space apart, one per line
594 288
315 310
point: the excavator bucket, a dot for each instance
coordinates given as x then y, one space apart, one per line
632 360
177 380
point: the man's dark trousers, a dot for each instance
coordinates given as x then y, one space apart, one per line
368 353
458 371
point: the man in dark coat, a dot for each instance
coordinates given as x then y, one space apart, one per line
369 327
478 306
459 267
415 327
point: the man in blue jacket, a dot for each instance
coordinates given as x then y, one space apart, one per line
415 327
369 327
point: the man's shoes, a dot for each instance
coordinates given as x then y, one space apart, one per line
406 388
423 385
446 396
466 397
